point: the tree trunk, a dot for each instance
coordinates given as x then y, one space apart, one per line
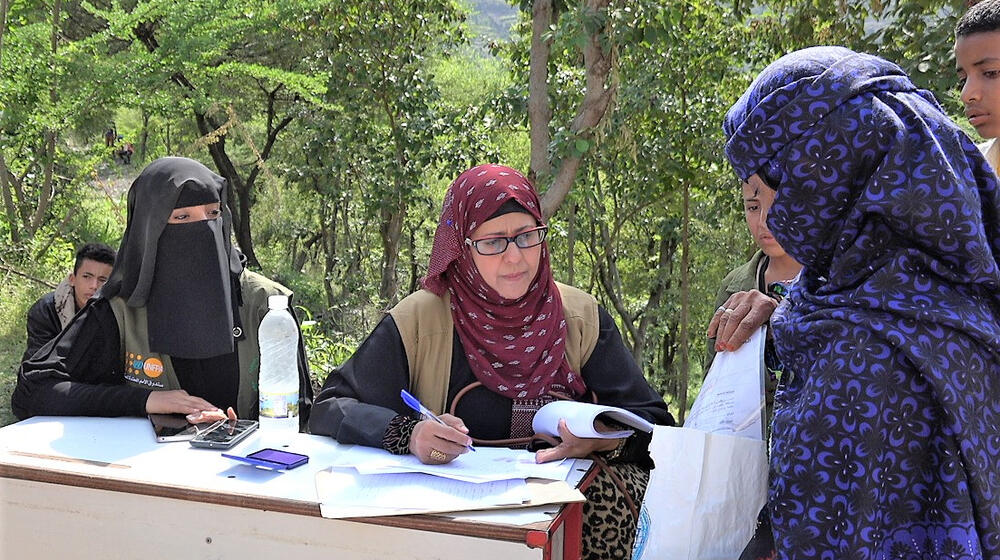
393 213
238 198
243 235
4 8
145 135
668 384
596 100
414 265
359 249
391 231
48 188
20 199
328 227
48 185
8 201
684 338
660 286
571 244
607 270
539 105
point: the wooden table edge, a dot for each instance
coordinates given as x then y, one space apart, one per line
422 522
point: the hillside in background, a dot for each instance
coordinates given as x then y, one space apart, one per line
491 19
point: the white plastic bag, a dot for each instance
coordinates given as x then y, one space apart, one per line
703 496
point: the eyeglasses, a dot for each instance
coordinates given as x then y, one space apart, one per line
495 245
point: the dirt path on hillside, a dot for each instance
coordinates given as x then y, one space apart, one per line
113 181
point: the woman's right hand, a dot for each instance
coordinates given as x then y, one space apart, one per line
737 319
178 401
437 444
206 416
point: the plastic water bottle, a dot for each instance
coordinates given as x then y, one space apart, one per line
278 382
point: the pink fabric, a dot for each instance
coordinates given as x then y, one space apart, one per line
515 347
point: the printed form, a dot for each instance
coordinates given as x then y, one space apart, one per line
731 400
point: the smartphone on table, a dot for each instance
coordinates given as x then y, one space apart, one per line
274 459
224 434
174 427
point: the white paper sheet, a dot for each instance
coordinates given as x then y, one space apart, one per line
485 464
345 493
731 400
520 516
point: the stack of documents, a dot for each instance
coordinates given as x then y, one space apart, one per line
486 464
365 481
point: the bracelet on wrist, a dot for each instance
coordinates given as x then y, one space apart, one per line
617 451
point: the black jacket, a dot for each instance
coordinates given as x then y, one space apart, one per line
43 324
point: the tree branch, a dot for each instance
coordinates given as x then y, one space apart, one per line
594 106
46 283
48 185
59 232
18 186
607 271
8 202
539 105
272 135
660 285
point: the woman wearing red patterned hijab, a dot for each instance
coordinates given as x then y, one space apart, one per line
505 305
490 339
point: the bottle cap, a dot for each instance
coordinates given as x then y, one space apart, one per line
277 302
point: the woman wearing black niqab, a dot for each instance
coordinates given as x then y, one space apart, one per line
174 329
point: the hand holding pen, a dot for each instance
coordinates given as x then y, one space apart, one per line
441 439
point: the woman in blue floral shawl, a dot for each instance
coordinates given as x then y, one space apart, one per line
886 434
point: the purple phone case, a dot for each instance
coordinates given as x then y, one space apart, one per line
271 459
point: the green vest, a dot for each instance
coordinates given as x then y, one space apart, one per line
150 370
427 329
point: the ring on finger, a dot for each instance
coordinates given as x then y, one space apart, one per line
727 310
721 308
437 455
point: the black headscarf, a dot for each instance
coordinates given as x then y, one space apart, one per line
186 289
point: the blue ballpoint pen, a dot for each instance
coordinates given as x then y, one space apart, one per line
415 404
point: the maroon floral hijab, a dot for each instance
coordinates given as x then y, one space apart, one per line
515 347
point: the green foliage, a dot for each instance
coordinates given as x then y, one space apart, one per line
19 295
388 102
916 34
325 350
919 36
